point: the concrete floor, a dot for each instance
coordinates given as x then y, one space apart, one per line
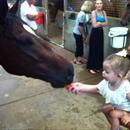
27 103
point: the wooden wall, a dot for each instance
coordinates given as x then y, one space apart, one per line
114 8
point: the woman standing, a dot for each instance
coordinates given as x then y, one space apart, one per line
96 45
80 33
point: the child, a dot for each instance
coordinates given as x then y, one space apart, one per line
115 88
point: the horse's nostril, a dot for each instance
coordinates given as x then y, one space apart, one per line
69 78
70 74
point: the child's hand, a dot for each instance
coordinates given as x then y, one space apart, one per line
125 118
69 87
76 87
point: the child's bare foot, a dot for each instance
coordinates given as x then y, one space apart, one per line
125 118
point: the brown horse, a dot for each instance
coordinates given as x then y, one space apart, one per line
54 6
23 53
125 19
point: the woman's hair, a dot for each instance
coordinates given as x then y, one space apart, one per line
119 64
87 6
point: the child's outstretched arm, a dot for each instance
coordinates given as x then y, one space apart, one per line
84 88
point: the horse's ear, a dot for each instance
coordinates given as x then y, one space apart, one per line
3 10
125 19
14 8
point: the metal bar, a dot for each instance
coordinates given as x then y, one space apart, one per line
46 14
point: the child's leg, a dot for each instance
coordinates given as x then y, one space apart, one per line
106 110
115 119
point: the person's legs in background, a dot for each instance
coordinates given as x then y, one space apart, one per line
79 50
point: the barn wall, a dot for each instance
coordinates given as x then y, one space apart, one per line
113 8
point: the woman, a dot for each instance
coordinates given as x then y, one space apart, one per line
80 33
96 45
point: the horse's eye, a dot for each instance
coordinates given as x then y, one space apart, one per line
128 5
25 41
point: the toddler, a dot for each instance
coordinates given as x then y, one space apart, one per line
115 88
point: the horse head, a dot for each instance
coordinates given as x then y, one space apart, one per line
54 6
24 53
125 19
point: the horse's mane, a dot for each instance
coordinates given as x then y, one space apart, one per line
3 10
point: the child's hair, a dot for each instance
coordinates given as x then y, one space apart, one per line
118 64
128 75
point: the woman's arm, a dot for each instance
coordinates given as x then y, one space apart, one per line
82 31
98 24
94 22
32 17
106 20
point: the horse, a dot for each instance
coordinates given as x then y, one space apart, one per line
54 6
125 19
24 53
